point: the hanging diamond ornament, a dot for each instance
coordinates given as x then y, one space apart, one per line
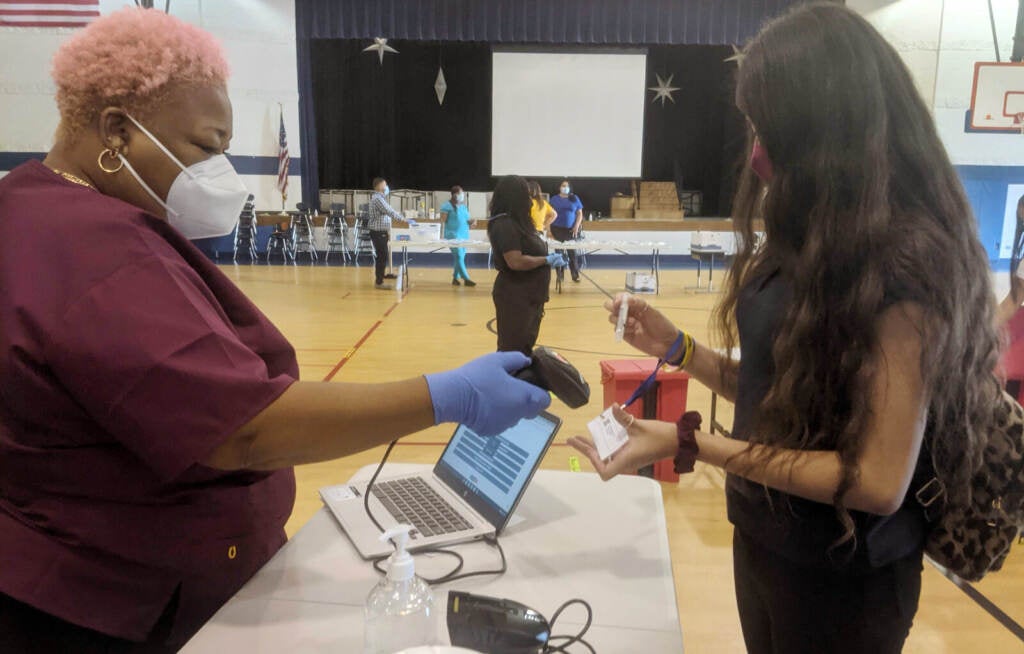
440 86
380 46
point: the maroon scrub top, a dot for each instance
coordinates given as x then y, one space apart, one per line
126 358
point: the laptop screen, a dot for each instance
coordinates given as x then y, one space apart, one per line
490 474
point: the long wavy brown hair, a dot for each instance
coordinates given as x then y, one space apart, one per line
863 209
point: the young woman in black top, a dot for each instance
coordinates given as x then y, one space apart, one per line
865 320
523 263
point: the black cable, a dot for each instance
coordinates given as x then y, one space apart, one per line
455 575
451 575
549 648
369 486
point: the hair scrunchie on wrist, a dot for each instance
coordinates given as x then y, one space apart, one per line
686 455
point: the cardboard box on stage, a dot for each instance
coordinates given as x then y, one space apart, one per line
658 201
658 195
622 206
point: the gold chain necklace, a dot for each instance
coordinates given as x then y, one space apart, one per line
72 178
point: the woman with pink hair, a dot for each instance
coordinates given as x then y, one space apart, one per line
149 412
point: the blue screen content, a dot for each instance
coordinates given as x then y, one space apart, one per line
495 469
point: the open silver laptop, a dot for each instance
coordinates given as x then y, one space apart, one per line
471 492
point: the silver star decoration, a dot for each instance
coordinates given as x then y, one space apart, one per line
737 56
381 46
663 90
440 86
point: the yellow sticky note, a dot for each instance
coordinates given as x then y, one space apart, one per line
574 464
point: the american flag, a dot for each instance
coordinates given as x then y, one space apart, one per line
48 13
282 160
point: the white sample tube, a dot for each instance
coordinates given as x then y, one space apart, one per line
620 324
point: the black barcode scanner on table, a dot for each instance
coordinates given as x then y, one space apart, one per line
502 626
495 626
550 370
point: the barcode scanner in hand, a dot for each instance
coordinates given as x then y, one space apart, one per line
549 370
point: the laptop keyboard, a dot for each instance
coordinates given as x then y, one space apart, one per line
412 501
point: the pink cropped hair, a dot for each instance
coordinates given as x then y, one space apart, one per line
129 59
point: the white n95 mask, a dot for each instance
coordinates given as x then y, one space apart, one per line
205 198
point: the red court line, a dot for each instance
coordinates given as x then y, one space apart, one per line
355 348
348 355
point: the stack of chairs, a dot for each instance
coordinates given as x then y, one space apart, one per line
302 234
281 241
337 233
245 233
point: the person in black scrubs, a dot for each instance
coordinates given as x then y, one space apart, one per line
865 319
524 266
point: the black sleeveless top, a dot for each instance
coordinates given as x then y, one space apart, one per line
802 530
505 234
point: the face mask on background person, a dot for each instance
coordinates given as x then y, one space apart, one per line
204 200
565 190
386 190
460 198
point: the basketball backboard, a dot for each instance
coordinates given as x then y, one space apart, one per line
997 98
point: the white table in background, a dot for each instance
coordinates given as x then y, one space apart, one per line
588 246
706 253
573 536
432 246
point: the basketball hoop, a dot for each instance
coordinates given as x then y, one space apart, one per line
997 98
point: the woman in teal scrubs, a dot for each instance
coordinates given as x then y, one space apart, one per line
456 226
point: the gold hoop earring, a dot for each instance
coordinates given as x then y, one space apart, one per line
113 154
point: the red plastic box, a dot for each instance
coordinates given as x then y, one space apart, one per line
665 401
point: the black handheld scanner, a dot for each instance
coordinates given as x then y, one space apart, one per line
497 626
550 370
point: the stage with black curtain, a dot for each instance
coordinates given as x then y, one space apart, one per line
362 118
385 120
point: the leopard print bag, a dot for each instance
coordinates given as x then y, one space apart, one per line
973 540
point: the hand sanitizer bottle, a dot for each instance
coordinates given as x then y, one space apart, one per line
399 610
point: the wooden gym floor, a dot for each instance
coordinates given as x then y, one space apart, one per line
344 329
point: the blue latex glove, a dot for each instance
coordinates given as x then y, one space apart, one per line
484 396
556 260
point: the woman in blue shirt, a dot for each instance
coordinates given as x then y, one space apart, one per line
567 223
456 226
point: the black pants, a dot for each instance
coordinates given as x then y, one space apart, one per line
26 630
380 246
786 608
518 318
564 234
